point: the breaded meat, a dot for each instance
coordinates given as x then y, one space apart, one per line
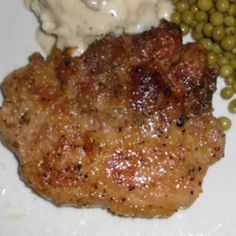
127 126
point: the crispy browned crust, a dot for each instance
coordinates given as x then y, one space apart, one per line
127 126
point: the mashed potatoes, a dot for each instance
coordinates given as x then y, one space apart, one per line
76 23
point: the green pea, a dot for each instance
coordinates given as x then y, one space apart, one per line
184 28
207 43
187 17
225 122
212 58
207 29
216 18
205 5
229 55
227 93
226 70
196 35
197 31
234 51
201 16
199 27
182 6
222 5
216 48
223 60
228 43
176 17
232 9
232 106
229 21
218 33
194 9
230 30
229 80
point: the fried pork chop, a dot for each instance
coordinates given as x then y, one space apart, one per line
127 126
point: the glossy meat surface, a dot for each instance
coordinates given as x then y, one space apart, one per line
127 126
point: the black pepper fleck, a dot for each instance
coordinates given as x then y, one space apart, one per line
131 187
180 121
120 129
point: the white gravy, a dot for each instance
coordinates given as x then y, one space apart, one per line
77 23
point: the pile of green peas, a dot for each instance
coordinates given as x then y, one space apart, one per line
213 24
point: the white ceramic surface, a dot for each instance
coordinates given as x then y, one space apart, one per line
23 213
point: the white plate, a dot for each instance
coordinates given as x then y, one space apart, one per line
23 213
